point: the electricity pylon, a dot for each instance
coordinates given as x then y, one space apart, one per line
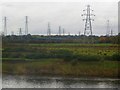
88 20
12 32
20 32
49 31
111 32
108 28
59 30
5 26
63 31
79 33
26 25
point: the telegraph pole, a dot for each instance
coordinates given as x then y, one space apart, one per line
26 25
49 30
88 20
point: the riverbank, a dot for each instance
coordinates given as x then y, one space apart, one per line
54 67
30 81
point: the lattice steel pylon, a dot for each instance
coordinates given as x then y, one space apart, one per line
108 28
88 20
59 31
20 31
5 26
49 30
26 25
63 31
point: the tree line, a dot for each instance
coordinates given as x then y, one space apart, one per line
61 39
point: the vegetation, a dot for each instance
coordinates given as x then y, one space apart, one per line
62 39
61 68
65 59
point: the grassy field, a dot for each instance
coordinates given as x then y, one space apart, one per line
89 60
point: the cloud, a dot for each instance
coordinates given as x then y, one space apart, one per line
66 14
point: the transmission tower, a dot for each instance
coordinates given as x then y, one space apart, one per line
88 20
59 30
49 30
63 31
69 34
12 32
79 33
20 32
26 25
108 28
5 26
111 32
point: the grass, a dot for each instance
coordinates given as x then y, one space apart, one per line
59 67
68 59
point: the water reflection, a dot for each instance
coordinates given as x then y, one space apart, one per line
57 82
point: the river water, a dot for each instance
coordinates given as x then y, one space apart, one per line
57 82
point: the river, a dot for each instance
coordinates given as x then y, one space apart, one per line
11 81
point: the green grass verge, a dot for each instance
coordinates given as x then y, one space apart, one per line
68 59
60 67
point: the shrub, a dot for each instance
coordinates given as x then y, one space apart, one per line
87 58
61 53
36 55
116 56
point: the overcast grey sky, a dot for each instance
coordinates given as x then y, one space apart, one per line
65 14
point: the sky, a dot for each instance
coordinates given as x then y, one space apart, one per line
64 14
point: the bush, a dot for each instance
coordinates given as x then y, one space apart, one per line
11 55
87 58
116 56
20 49
36 55
65 54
